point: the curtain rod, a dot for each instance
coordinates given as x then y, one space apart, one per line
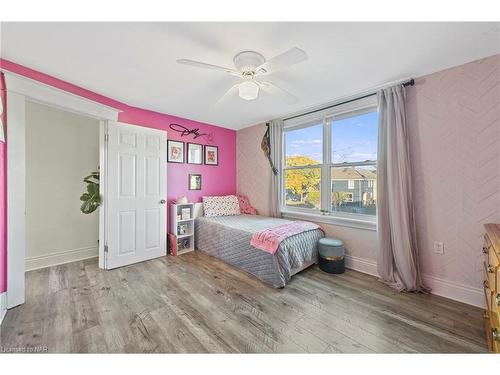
410 82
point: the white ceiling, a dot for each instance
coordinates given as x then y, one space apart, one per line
135 62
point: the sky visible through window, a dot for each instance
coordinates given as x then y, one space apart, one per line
306 142
354 139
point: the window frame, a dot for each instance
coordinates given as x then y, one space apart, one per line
326 117
284 168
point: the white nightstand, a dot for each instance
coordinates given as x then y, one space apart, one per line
181 236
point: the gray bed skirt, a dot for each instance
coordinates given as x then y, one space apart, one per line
228 238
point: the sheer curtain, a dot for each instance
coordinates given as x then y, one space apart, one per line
398 260
276 139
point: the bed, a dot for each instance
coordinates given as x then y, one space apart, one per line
228 238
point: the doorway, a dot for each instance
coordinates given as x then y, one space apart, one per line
61 149
21 91
132 189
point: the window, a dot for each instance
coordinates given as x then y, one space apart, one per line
330 162
303 160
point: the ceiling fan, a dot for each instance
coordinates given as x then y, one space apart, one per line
250 67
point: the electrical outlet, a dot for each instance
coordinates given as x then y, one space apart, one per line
438 247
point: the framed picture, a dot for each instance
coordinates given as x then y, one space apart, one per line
195 182
175 151
211 155
194 153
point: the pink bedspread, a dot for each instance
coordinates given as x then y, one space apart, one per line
269 239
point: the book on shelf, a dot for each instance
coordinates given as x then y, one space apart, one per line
186 213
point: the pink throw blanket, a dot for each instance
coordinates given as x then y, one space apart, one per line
269 239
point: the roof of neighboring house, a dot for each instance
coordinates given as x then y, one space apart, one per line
350 173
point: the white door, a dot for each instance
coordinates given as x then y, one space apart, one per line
136 192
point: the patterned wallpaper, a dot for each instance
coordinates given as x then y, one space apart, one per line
454 118
252 168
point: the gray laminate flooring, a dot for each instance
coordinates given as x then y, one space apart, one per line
194 303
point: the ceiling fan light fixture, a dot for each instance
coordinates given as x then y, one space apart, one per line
250 67
248 90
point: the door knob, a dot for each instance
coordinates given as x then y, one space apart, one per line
163 201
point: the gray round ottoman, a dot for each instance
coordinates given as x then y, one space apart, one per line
331 255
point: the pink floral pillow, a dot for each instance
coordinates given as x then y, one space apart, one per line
245 207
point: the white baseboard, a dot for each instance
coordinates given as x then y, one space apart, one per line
61 257
455 291
362 265
3 306
444 288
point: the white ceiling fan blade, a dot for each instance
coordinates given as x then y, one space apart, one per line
278 91
208 66
286 59
228 94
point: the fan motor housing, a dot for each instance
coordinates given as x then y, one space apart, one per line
247 61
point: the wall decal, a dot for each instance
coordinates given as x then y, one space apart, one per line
185 132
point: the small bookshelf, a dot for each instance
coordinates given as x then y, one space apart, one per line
181 236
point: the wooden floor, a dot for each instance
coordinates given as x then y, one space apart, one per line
196 304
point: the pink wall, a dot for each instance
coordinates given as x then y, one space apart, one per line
3 210
216 180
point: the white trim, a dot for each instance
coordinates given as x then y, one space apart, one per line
444 288
343 221
3 306
361 265
61 257
16 198
455 291
103 170
45 94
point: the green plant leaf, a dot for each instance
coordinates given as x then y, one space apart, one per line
91 200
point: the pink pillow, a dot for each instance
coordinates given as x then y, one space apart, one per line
245 207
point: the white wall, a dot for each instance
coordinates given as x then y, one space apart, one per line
61 149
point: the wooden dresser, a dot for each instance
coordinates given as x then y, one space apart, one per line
491 250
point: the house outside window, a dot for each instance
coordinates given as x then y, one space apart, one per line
329 162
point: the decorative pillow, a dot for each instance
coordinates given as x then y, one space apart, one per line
227 205
245 206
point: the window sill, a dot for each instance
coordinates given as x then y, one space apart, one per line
332 220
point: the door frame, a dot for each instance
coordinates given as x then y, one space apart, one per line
19 91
